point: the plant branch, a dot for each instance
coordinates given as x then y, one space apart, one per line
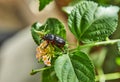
101 77
39 32
100 43
39 70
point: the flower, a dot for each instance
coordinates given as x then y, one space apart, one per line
46 60
45 57
45 52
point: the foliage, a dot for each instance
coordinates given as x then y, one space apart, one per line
43 3
90 22
52 26
92 25
74 67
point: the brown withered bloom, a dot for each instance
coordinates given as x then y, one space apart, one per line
45 53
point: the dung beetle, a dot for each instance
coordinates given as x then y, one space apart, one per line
54 40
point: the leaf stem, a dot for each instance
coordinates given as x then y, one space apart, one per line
110 76
101 76
100 43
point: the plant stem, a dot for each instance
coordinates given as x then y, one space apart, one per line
39 70
110 76
39 32
101 77
100 43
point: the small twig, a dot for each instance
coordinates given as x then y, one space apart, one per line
100 43
39 70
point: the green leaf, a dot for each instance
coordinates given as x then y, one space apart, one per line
49 76
52 26
74 67
43 3
35 36
90 22
72 4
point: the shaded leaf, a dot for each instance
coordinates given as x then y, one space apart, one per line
75 67
49 75
35 36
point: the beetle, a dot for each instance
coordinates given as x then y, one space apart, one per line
54 40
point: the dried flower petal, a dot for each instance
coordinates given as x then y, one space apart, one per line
47 62
45 52
38 56
44 58
43 44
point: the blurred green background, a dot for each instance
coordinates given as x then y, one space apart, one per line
110 64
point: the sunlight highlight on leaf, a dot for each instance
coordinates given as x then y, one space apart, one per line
90 22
